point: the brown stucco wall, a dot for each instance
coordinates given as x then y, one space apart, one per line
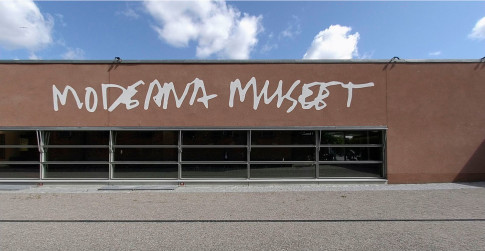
435 112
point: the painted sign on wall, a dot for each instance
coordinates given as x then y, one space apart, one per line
308 95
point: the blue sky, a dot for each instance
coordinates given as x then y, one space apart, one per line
159 30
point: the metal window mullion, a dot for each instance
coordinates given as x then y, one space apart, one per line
42 157
111 155
179 160
317 153
248 153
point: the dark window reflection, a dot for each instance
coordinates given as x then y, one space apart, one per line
214 137
214 171
283 154
77 154
350 170
20 154
146 154
350 153
351 137
214 154
146 138
282 171
283 137
72 171
140 171
77 137
21 138
19 171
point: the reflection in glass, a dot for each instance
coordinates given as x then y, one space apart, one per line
21 138
283 154
350 153
214 171
19 171
77 154
76 137
282 171
351 137
269 137
350 170
146 154
214 137
140 171
214 154
20 154
146 138
73 171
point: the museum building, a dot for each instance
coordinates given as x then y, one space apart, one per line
398 121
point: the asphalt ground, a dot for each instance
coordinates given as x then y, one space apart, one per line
266 217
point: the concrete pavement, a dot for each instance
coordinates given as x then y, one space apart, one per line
265 217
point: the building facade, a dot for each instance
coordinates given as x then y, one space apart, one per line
242 121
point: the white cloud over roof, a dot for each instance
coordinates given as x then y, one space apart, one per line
22 25
218 28
478 32
335 42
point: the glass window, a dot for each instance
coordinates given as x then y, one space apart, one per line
283 154
76 137
214 154
282 170
77 154
351 137
146 138
214 171
350 170
20 154
350 153
214 137
142 171
146 154
270 137
19 171
79 171
20 138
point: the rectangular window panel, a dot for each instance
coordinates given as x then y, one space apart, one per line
214 171
351 137
19 171
146 154
350 153
282 170
283 154
269 137
146 138
140 171
76 137
214 154
21 154
77 154
21 138
214 137
73 171
350 170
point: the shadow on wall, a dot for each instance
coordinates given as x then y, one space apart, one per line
474 169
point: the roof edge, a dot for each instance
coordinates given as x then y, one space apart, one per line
284 61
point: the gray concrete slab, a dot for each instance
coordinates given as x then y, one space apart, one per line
271 217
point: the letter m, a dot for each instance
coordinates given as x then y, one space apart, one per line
62 97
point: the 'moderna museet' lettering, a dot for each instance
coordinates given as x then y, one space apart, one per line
309 95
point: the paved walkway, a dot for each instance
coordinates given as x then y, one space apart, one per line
260 217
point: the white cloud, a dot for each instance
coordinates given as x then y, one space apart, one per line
22 25
335 42
293 29
478 32
33 56
435 53
128 12
73 54
218 28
